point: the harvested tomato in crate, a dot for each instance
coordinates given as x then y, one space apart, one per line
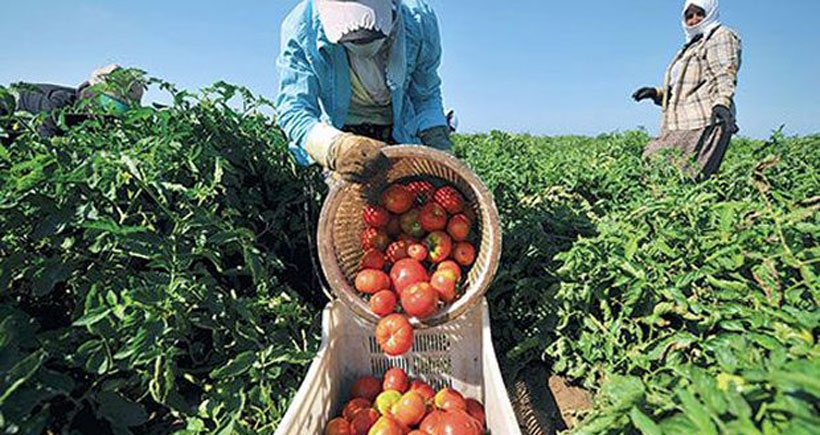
458 354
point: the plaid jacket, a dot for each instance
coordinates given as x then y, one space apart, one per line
708 77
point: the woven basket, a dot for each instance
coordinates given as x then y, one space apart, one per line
341 226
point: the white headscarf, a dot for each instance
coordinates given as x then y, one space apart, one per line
340 17
708 24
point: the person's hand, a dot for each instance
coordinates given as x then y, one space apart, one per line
357 158
647 92
722 115
437 137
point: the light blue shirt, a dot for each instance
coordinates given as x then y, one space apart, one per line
314 83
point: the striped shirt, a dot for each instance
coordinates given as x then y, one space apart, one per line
706 77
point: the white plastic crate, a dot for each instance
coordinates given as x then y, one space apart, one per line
459 354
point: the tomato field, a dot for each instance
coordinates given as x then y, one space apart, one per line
157 275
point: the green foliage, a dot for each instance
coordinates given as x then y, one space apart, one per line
153 271
688 307
155 274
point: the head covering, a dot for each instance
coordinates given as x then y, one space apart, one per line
708 24
129 87
340 17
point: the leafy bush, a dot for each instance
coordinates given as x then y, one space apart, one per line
688 307
154 274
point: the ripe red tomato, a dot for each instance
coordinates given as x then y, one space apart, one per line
476 410
423 190
449 198
408 239
410 224
420 300
397 199
464 253
410 409
458 227
439 246
433 217
431 421
375 216
397 251
338 426
448 399
366 387
451 266
393 227
396 379
417 251
373 238
424 389
383 303
372 259
363 420
455 422
418 432
395 334
407 272
444 282
354 405
370 281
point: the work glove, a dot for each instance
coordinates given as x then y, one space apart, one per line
647 92
437 137
722 115
357 158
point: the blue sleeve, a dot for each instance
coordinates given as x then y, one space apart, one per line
425 83
297 101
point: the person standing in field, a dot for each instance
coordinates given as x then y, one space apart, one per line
356 76
111 89
697 96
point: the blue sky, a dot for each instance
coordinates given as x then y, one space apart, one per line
538 66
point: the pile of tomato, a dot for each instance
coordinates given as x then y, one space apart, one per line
416 242
398 405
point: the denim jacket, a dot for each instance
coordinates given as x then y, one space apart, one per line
315 84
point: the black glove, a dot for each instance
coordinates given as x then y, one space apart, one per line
647 92
722 115
437 137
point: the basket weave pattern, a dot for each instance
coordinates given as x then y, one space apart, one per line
340 227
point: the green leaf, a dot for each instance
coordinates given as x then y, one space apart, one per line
21 373
92 317
241 364
120 411
696 412
644 423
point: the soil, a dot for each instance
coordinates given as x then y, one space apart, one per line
544 404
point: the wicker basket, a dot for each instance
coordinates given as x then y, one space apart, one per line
341 226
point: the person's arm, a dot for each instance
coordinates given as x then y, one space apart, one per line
723 58
425 87
40 98
297 102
